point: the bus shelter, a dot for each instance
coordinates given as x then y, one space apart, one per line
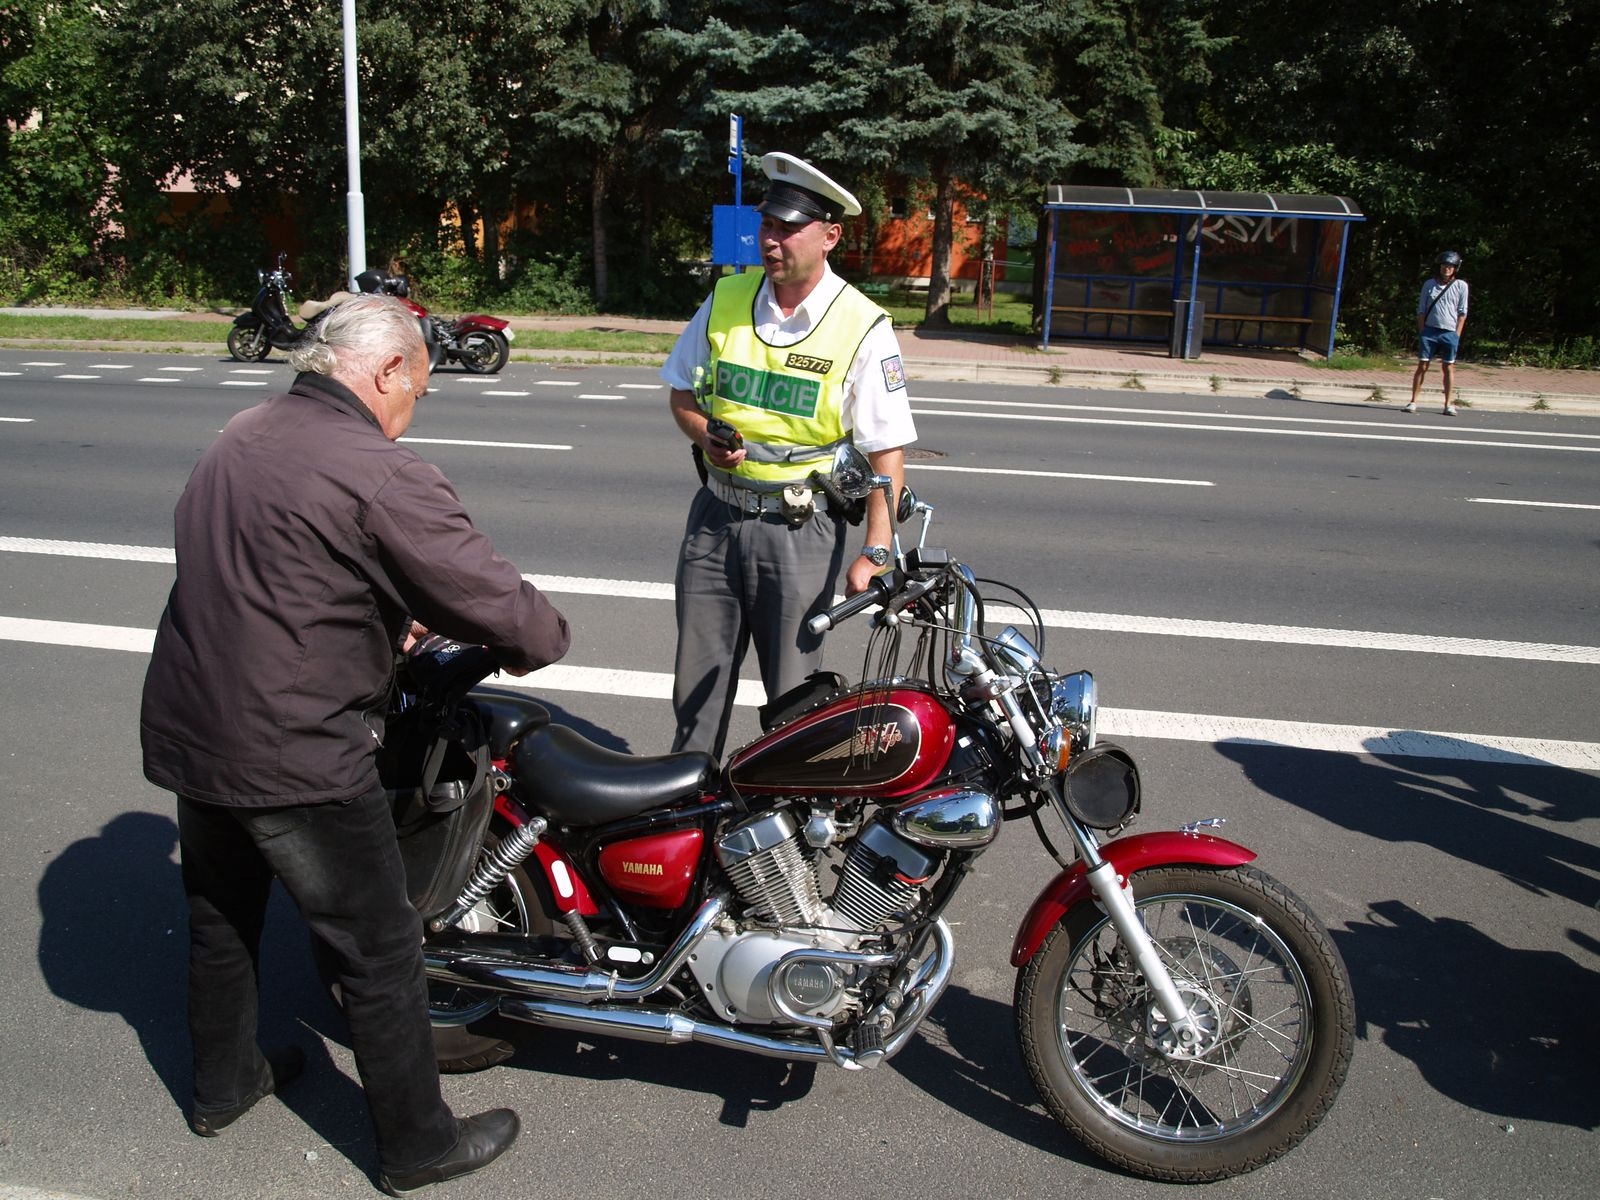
1195 268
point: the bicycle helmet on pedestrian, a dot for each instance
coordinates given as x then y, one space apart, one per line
1449 259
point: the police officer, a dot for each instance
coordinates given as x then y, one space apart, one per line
796 362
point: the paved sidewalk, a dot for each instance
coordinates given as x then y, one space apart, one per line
974 357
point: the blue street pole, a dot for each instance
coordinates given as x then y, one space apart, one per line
736 168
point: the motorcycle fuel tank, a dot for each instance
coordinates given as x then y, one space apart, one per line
888 741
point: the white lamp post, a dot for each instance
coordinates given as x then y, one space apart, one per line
355 209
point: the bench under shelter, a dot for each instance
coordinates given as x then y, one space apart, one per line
1195 268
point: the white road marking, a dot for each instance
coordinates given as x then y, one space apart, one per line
1316 433
1054 618
10 374
243 383
487 445
922 466
643 387
598 396
502 393
43 364
112 366
1185 727
1201 414
77 377
181 368
555 383
18 420
157 379
250 371
156 554
1530 503
67 633
1302 635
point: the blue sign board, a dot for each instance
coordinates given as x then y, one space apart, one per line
734 232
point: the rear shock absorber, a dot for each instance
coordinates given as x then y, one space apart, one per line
495 866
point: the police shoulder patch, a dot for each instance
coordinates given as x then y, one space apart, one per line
894 373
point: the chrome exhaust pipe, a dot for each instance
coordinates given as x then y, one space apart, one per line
464 966
661 1026
670 1027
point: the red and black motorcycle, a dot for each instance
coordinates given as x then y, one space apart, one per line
480 343
1181 1012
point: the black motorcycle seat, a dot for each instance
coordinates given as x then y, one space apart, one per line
506 716
569 779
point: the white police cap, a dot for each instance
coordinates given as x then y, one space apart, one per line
799 192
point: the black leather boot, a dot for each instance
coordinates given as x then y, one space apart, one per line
483 1139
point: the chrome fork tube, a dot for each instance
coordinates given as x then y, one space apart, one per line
1117 900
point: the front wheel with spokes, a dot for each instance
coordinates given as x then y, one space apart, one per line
1267 990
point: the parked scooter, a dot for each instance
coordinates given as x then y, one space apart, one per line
480 343
1184 1014
268 325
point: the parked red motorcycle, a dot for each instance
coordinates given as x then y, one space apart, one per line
480 343
1181 1012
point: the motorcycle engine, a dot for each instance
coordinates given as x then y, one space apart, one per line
775 872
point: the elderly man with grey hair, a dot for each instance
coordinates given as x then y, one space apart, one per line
307 543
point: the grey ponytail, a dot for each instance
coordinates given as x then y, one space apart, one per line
356 334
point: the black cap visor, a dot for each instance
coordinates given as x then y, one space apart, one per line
796 205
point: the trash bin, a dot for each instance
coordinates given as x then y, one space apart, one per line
1188 324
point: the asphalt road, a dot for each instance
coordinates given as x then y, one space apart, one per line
1368 641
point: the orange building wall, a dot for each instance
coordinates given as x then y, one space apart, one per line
903 247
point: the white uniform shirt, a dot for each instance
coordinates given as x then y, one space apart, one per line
875 407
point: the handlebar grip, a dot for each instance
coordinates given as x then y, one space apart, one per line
825 484
876 592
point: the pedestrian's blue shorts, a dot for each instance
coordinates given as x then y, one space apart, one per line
1443 342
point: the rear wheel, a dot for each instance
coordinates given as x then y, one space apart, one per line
484 351
248 343
1265 983
468 1035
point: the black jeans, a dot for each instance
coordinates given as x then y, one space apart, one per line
341 866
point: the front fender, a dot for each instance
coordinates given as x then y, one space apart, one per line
1069 889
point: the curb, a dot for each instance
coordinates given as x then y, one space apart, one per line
1364 393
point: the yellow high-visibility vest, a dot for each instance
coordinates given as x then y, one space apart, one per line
785 400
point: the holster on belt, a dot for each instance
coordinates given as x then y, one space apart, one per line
699 457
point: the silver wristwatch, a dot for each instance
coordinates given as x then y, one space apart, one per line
879 555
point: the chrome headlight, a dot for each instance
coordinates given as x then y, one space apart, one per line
1074 702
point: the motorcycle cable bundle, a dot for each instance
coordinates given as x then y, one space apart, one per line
1027 604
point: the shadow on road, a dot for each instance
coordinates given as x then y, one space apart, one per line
966 1058
744 1083
1502 1030
114 938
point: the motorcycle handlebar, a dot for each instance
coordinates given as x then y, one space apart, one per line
878 591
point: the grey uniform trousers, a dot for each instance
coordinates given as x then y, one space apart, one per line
746 580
